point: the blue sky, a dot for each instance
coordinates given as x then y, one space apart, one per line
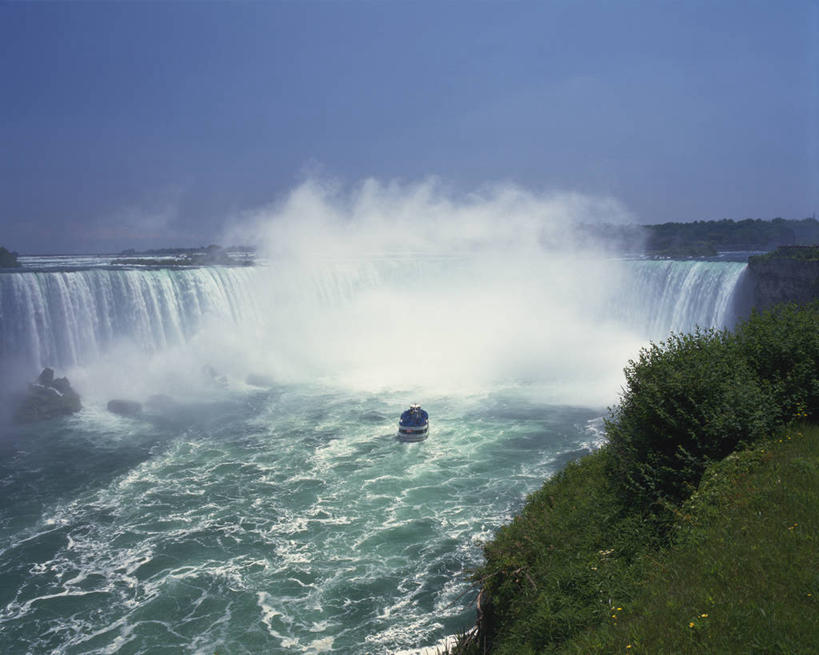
148 124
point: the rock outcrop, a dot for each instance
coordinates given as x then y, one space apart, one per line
789 274
47 397
125 407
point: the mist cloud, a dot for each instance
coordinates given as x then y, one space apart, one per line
396 285
323 218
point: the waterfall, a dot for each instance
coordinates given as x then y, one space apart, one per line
658 297
67 318
457 319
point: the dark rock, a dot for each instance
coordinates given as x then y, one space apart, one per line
62 385
47 398
786 275
46 377
125 407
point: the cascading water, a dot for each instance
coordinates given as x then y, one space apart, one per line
659 297
70 318
286 518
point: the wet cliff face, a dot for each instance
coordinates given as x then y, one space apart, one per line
777 280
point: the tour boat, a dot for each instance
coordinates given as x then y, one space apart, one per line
414 424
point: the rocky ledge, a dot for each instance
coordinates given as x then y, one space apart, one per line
47 397
788 274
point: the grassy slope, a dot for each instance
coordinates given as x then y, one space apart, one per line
576 572
743 574
633 549
556 568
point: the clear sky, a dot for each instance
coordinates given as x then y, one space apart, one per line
143 124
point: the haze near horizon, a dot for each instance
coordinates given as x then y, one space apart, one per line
148 125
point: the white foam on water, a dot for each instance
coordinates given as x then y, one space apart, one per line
289 517
380 288
439 647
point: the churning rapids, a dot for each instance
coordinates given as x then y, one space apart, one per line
283 516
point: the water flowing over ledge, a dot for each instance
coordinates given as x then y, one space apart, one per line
73 318
286 517
664 296
70 318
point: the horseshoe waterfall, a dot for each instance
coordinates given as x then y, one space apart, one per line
258 501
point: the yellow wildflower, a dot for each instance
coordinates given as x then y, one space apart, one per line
691 625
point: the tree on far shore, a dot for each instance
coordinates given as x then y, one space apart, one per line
8 259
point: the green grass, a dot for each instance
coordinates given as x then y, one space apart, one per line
554 570
742 575
577 572
690 531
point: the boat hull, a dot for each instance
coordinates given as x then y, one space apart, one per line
414 424
412 438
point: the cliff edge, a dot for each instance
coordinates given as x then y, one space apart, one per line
788 274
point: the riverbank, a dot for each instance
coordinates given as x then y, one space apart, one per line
734 576
740 575
787 274
694 529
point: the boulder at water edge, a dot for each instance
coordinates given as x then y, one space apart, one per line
46 398
125 407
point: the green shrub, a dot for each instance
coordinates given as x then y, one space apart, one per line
612 539
554 571
741 574
781 345
688 400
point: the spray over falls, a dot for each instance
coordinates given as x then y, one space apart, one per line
283 515
378 322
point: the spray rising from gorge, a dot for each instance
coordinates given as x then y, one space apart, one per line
260 501
385 287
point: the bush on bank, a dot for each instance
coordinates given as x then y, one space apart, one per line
694 398
582 547
781 346
688 400
554 570
741 576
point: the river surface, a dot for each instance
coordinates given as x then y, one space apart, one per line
277 520
261 502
